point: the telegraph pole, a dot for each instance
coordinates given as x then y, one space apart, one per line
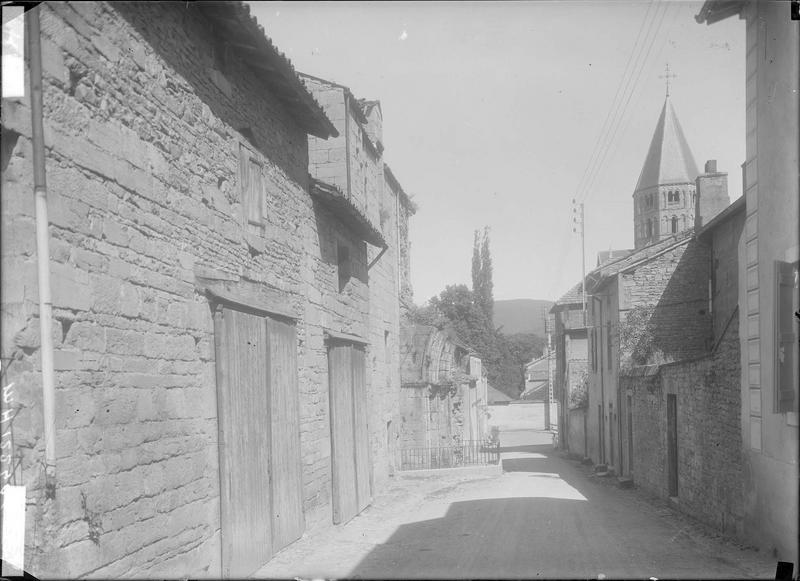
548 387
578 224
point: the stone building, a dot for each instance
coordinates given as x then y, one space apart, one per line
537 378
571 374
444 394
352 166
768 273
659 291
683 426
664 199
194 261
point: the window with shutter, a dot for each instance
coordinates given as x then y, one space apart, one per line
786 340
251 170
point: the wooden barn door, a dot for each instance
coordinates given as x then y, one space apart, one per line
260 482
287 480
244 441
350 463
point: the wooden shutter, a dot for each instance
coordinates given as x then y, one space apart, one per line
252 178
287 480
786 344
244 441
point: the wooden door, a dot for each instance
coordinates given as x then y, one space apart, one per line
287 481
343 460
629 412
672 444
362 448
350 456
242 362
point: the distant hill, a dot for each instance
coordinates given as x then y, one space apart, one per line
521 316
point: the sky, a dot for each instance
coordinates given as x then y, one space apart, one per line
498 114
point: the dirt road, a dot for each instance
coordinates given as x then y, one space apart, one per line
543 516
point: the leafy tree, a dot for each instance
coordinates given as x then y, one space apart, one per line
470 313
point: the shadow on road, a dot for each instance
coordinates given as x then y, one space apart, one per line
547 520
491 538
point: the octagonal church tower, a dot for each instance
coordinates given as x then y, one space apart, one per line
664 198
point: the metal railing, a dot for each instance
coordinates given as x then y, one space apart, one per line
465 453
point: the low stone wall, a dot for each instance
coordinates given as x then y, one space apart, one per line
522 416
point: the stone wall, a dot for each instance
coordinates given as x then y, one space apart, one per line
576 434
143 136
709 437
673 289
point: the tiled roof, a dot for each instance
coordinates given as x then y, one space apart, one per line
669 159
600 275
246 37
716 10
737 206
335 200
605 256
495 395
571 297
404 197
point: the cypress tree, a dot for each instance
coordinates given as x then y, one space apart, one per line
476 267
487 286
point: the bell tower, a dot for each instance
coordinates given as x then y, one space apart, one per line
665 194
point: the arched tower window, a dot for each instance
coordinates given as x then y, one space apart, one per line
650 228
683 219
674 224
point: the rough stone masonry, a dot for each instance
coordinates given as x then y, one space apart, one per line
144 124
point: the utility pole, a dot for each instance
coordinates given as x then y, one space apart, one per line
548 387
578 224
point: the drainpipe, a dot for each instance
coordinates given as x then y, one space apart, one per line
347 141
42 250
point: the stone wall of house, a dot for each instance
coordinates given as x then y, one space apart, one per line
709 436
725 272
576 434
384 357
673 289
649 432
143 137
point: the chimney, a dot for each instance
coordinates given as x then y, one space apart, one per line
711 198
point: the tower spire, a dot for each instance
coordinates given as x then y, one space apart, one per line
667 75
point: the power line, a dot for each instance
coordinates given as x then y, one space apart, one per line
621 112
604 128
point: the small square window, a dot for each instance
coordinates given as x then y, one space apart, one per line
343 265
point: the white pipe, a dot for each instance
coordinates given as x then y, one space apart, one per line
42 250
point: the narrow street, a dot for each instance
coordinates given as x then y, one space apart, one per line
542 516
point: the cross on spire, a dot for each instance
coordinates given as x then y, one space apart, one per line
667 75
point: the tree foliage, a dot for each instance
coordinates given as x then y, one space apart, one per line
470 313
